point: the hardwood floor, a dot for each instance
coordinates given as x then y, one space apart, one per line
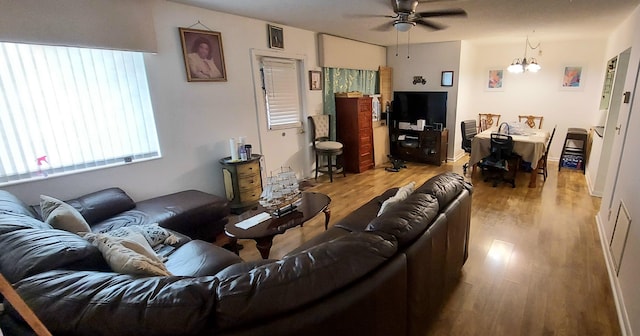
535 263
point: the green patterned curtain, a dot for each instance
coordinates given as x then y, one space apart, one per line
345 80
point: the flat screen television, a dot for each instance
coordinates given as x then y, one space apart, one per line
409 106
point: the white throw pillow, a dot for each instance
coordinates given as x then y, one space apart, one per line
128 255
62 216
402 194
153 233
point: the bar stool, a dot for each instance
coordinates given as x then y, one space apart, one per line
574 150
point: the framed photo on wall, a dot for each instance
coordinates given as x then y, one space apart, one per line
276 37
495 80
572 78
447 78
203 55
315 80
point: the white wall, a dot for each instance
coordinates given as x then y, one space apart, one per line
528 93
623 183
194 120
539 93
429 60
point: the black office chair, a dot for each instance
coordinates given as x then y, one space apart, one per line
501 160
469 130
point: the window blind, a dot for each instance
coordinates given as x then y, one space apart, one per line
67 109
282 93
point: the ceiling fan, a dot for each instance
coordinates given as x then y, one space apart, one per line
406 16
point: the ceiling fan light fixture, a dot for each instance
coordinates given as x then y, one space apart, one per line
403 26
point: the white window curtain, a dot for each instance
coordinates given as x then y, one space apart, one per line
282 93
66 109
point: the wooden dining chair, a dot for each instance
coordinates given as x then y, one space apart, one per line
531 121
542 164
487 120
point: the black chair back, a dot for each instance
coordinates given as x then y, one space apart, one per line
501 147
469 130
546 151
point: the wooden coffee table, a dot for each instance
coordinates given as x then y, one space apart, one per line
312 204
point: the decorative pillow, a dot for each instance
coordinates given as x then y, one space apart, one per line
400 195
128 255
153 233
62 216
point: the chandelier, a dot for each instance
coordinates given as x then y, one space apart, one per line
531 64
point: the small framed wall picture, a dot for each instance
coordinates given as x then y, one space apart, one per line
572 78
447 78
315 80
494 81
276 37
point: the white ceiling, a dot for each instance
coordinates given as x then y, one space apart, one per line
488 20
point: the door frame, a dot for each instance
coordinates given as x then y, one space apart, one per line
260 107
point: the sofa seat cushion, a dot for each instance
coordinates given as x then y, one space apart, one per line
30 251
128 255
79 303
445 187
299 279
406 220
331 234
199 258
193 213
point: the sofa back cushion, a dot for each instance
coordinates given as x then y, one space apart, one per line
103 303
299 279
30 251
407 219
11 204
445 187
103 204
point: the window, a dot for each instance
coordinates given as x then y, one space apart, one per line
282 93
66 109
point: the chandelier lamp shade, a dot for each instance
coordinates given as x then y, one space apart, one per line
525 64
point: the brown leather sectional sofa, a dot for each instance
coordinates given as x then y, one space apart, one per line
366 275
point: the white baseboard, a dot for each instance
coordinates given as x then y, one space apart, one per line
623 317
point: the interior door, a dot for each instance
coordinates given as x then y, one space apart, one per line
280 147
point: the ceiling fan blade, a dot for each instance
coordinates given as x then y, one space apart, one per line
444 12
431 25
383 27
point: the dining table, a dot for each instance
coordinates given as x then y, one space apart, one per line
530 144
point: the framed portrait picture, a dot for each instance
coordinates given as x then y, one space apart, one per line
447 78
276 37
203 55
315 80
572 78
495 80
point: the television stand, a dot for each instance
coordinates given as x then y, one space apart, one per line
426 146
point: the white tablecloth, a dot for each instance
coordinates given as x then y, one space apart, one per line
530 147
